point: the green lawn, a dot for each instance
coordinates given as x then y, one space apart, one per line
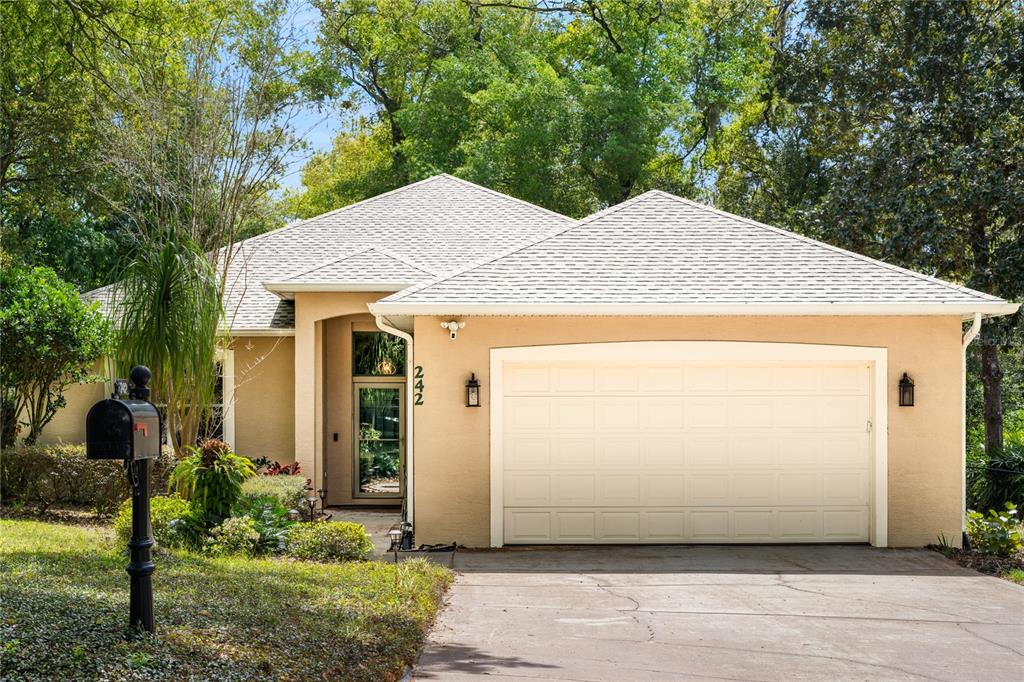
64 601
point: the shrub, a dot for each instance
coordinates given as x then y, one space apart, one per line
998 533
237 535
42 476
278 469
50 338
165 514
212 476
289 491
329 541
271 522
999 477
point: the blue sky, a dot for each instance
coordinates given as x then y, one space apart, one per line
317 127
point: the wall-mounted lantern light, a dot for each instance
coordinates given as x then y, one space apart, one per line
906 391
472 392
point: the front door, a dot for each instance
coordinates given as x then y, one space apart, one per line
379 440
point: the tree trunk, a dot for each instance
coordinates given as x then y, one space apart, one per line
992 382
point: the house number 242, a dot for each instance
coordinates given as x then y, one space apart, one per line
417 395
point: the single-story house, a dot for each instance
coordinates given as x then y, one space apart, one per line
659 372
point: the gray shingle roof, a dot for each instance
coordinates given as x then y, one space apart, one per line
658 252
437 225
368 266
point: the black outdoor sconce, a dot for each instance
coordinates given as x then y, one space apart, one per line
472 392
906 391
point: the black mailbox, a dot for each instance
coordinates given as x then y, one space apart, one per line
122 429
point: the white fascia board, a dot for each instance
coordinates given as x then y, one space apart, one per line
287 290
966 310
256 331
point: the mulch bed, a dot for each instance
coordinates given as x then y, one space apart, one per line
984 563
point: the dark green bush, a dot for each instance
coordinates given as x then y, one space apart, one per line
329 541
164 513
212 476
999 478
42 476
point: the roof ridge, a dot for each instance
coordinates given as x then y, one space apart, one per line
400 258
513 249
495 192
361 202
332 261
830 247
359 252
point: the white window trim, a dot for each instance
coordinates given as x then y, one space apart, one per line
723 351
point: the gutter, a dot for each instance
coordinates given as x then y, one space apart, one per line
964 310
968 337
384 325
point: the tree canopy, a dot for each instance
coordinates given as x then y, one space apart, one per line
891 127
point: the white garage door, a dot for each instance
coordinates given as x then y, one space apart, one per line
627 451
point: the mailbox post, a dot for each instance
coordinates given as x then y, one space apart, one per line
130 430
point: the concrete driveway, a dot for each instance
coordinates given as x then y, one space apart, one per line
724 613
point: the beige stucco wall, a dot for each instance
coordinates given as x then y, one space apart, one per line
264 404
68 424
452 486
314 313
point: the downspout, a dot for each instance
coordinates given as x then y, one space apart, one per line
969 336
407 337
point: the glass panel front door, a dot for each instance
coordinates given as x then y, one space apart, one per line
380 440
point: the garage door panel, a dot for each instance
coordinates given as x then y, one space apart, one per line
527 490
799 524
845 524
571 526
752 451
664 489
845 488
657 379
572 379
660 413
617 379
524 378
525 452
754 489
528 414
573 490
573 414
618 452
706 450
799 488
755 524
706 414
663 452
707 489
572 453
713 452
619 489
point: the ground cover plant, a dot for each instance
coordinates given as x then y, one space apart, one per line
996 544
65 601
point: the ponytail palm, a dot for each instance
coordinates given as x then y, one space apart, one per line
169 315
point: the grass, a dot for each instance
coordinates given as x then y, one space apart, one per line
64 593
1014 574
